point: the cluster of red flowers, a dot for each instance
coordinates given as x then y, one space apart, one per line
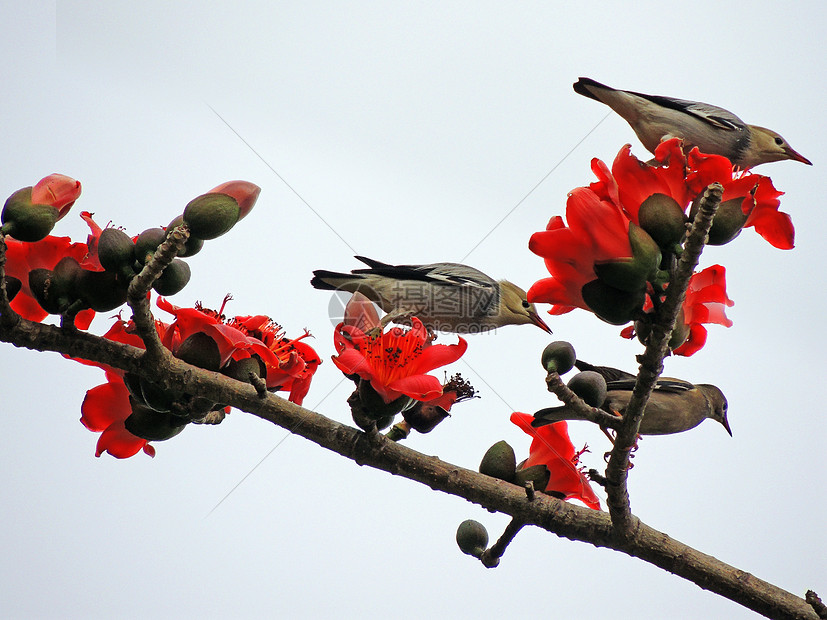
284 364
607 258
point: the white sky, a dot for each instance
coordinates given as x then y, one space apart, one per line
411 130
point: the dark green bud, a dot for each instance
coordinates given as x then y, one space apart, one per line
240 369
590 386
610 304
200 350
559 357
173 279
147 242
211 215
155 397
728 221
662 217
115 249
472 538
152 425
539 476
193 245
26 221
101 290
499 462
375 407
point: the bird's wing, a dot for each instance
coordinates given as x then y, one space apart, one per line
713 115
662 385
451 274
607 372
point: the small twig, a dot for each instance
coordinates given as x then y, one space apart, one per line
260 384
529 490
490 558
138 291
651 362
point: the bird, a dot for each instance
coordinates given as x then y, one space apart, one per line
444 296
674 406
713 130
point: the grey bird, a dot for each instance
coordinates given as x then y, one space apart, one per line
444 296
674 406
712 129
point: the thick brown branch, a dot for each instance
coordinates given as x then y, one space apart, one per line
551 514
651 363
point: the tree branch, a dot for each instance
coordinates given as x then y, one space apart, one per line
556 516
651 364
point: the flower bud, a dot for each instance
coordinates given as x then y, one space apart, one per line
472 538
424 417
173 279
26 221
155 397
147 242
662 217
539 476
193 245
101 290
240 369
728 221
58 191
152 425
211 215
115 250
559 357
499 462
244 193
631 274
610 304
373 404
590 386
200 350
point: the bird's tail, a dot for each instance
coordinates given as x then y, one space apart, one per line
332 280
549 415
583 85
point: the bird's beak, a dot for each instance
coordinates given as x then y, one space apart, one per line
725 422
796 156
535 318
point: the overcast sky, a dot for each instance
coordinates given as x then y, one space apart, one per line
405 132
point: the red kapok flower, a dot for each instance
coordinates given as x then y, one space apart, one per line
244 192
551 446
395 362
706 302
105 409
58 191
22 257
600 262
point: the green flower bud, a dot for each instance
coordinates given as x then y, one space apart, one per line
26 221
590 386
173 279
559 357
662 217
240 369
610 304
115 250
152 425
211 215
728 221
499 462
155 397
539 475
193 245
147 242
631 274
472 538
200 350
375 407
101 290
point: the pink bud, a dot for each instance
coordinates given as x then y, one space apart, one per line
244 192
56 190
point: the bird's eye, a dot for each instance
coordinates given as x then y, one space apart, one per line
526 305
779 141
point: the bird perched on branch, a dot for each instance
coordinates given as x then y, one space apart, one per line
674 406
712 129
444 296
